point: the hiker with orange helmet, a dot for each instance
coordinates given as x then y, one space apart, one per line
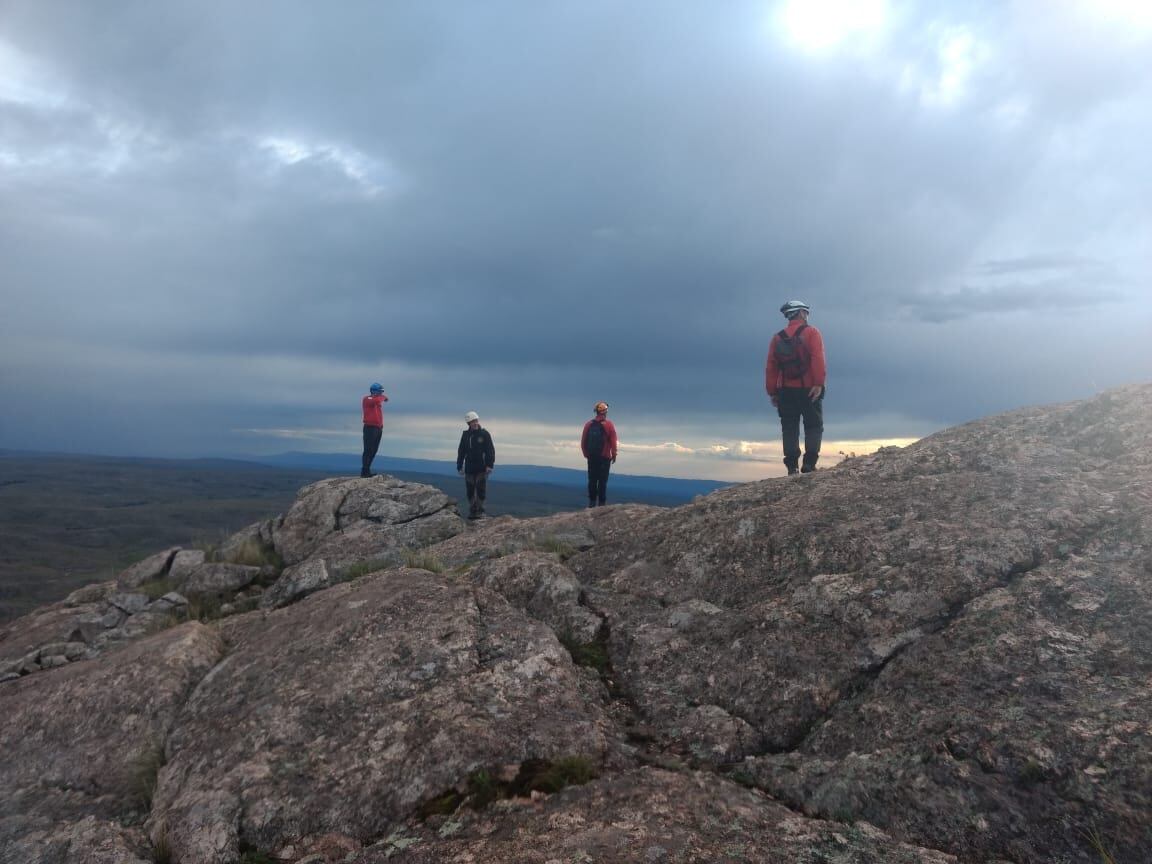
598 444
794 378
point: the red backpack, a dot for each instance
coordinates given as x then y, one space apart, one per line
792 355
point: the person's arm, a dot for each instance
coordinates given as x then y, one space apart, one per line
612 438
772 371
460 453
584 441
489 454
818 370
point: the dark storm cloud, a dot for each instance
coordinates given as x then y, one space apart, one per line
538 200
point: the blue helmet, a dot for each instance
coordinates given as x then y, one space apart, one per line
376 388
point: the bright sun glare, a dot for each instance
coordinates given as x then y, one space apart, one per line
823 25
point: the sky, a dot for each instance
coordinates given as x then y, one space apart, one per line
221 220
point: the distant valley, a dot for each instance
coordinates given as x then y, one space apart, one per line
67 520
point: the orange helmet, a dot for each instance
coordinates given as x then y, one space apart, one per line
601 407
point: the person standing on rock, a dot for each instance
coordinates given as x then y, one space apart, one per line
373 426
794 378
598 444
475 459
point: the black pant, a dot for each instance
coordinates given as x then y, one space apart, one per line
598 468
795 404
371 445
477 487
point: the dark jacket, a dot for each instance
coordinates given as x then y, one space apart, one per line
476 451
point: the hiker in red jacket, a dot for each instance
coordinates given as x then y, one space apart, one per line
373 427
794 378
598 444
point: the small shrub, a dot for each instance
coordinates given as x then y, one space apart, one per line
544 776
423 561
145 772
592 654
205 607
561 548
482 789
442 805
253 553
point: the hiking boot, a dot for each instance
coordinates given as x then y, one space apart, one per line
792 471
366 474
591 504
807 469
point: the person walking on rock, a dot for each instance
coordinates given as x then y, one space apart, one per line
373 427
794 378
598 444
475 459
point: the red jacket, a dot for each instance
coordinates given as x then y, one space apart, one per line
373 414
608 451
817 372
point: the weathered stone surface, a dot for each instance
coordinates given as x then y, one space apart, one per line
646 816
86 841
346 711
93 593
213 578
83 740
129 603
384 543
183 562
567 532
297 582
338 504
152 567
941 638
46 625
539 584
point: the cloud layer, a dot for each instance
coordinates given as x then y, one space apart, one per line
215 217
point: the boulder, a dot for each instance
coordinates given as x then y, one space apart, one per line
151 568
212 578
183 562
85 741
353 708
544 588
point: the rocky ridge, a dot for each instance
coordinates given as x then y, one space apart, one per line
936 653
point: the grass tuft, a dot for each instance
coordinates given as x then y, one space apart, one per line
423 561
550 543
144 775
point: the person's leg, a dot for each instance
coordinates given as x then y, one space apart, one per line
371 445
602 484
481 490
789 411
470 487
593 477
813 413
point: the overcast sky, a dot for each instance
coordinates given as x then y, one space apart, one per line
221 220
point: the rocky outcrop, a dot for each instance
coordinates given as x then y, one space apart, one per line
939 653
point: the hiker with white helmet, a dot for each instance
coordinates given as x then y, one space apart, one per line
794 378
373 426
475 459
598 444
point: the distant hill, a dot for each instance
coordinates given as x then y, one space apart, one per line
620 485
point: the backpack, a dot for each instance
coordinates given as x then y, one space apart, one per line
792 355
595 441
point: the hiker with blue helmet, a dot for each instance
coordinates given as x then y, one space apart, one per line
794 378
373 426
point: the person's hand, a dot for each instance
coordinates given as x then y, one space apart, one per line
460 471
613 459
487 470
775 401
814 393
